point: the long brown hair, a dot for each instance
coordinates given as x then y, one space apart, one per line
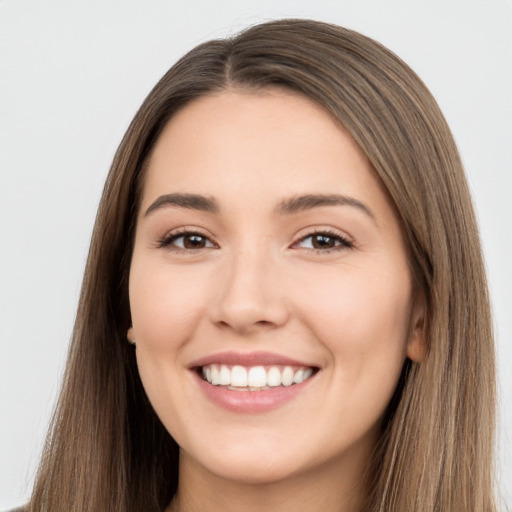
107 450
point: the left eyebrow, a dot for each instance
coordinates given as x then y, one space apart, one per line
307 202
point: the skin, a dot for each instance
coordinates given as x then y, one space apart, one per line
257 283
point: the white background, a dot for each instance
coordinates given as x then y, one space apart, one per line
73 73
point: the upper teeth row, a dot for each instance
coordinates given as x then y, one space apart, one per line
255 376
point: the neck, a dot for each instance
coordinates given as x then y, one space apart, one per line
335 487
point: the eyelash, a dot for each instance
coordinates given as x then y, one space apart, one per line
167 241
343 242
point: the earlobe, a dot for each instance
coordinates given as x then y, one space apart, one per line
416 346
130 336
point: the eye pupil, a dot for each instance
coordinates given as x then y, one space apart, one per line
323 241
194 242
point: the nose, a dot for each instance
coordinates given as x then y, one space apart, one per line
250 297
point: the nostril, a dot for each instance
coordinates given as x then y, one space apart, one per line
245 324
263 322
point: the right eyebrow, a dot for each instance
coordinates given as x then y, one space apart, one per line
192 201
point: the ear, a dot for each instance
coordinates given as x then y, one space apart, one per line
130 336
416 345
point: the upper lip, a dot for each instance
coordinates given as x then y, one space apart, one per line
249 359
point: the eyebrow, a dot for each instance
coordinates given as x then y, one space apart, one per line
287 206
191 201
310 201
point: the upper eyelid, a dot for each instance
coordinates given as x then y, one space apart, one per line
346 242
167 239
311 231
177 232
307 232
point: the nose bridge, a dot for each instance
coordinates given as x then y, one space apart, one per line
249 294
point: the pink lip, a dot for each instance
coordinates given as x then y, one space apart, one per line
249 401
249 359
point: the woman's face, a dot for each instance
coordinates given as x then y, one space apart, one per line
270 294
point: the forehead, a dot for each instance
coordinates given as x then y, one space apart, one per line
258 145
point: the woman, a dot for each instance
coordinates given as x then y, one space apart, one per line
284 304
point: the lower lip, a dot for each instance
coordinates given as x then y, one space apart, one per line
251 401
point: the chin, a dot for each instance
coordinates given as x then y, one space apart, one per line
255 472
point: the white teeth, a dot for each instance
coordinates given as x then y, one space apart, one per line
287 376
215 376
238 377
254 378
257 377
224 376
274 377
299 376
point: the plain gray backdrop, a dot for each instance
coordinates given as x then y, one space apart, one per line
72 75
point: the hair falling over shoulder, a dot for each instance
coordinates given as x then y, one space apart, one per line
106 449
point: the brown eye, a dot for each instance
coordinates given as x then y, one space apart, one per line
324 242
194 242
186 241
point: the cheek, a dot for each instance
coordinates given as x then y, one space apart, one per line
165 304
358 300
362 321
361 316
166 308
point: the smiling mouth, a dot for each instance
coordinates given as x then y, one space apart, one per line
254 378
